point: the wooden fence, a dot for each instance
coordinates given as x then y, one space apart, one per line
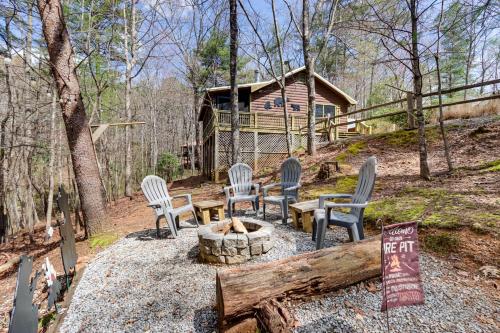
331 127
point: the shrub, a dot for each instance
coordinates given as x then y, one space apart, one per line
169 166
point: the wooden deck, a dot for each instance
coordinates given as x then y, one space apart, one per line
271 122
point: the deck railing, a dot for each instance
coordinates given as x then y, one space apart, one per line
263 120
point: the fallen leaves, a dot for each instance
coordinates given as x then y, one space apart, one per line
371 287
489 271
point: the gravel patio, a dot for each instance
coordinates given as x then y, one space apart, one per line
144 284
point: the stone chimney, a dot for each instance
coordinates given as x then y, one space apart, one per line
256 75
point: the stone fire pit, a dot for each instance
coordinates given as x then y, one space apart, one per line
234 248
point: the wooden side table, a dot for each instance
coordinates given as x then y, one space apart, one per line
205 210
303 214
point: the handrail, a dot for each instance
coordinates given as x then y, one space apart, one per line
433 93
424 108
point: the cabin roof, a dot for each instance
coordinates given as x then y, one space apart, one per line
259 85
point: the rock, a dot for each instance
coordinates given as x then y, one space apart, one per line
205 249
237 259
213 259
242 241
230 240
228 251
256 249
267 245
244 252
256 237
213 240
216 251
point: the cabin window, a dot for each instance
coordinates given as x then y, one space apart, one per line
325 110
296 107
278 102
223 102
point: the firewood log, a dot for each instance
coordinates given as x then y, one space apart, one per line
226 228
238 226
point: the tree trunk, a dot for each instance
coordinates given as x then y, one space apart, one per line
52 154
417 89
73 111
130 42
3 139
283 82
311 90
239 290
440 95
233 68
197 128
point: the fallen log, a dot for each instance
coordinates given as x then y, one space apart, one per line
274 317
240 290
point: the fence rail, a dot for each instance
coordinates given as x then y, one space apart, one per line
409 100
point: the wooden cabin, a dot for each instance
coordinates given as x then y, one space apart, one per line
262 125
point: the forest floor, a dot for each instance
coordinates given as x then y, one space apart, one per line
459 212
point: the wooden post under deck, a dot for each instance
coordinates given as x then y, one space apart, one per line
216 155
255 150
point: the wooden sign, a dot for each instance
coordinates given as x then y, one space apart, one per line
402 285
68 245
24 317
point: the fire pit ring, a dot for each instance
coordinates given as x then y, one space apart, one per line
234 248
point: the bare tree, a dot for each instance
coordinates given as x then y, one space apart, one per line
77 130
130 58
417 89
311 89
52 154
280 79
310 55
402 43
189 28
233 68
440 96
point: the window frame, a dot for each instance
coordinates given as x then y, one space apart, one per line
335 108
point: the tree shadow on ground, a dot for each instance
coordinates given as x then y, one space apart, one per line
327 324
205 320
150 234
193 254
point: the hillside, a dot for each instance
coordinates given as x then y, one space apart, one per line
458 212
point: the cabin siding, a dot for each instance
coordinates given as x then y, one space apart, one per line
296 91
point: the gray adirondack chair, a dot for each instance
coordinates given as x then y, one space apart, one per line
240 176
353 220
290 184
156 192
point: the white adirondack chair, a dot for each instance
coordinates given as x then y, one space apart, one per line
240 176
156 192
